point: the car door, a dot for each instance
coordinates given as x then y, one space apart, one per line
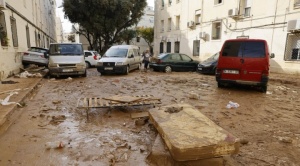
230 60
174 60
254 61
130 58
188 63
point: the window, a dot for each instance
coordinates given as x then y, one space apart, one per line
246 7
196 47
197 16
28 37
161 47
177 47
186 58
297 3
177 22
162 25
14 31
168 46
174 57
169 24
217 2
3 32
292 47
170 2
216 31
162 4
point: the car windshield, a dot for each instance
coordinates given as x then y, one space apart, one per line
66 49
215 56
160 56
39 50
116 52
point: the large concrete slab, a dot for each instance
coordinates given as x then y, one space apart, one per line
190 135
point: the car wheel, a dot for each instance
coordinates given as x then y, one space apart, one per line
168 69
88 65
126 70
263 88
84 75
220 85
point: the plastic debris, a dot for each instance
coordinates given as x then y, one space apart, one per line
6 100
232 105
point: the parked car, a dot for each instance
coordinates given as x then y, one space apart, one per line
209 65
244 61
66 59
169 62
35 55
120 59
91 58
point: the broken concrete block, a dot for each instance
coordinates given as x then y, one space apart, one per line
190 135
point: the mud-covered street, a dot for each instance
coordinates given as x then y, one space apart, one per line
266 123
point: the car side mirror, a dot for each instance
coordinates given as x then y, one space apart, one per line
272 55
46 55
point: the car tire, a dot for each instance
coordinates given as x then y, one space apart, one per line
84 75
88 65
168 69
126 70
264 88
220 85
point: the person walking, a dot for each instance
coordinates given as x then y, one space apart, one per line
146 59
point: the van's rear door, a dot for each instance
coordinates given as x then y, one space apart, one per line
254 60
230 61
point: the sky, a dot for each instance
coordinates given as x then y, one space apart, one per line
67 25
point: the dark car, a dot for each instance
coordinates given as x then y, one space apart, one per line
209 65
169 62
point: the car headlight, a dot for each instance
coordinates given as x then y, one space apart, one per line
206 65
119 63
99 63
53 65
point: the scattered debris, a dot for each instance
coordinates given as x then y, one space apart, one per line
56 101
193 95
141 121
173 109
9 82
26 74
6 100
269 93
244 141
232 105
285 139
69 79
139 115
55 145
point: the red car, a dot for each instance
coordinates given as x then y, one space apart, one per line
244 61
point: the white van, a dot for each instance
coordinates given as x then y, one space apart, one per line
66 59
120 59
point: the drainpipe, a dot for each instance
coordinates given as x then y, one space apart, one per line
274 26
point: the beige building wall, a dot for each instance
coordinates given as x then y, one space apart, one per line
59 31
35 26
266 20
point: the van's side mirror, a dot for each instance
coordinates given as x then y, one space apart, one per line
46 55
272 55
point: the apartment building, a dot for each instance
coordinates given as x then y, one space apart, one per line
24 23
199 27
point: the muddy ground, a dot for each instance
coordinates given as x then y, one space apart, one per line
267 124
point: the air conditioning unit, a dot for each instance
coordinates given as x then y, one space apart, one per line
233 12
293 25
190 24
2 4
202 35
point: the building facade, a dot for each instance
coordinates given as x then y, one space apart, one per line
24 24
200 27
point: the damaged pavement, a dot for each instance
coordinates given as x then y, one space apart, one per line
147 119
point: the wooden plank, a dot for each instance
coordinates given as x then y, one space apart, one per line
100 102
139 114
85 102
91 102
122 99
96 102
190 135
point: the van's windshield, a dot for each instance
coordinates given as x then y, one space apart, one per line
65 49
116 52
249 49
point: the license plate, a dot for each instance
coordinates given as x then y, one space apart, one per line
67 70
108 68
199 68
231 71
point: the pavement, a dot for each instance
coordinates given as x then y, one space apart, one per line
15 90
